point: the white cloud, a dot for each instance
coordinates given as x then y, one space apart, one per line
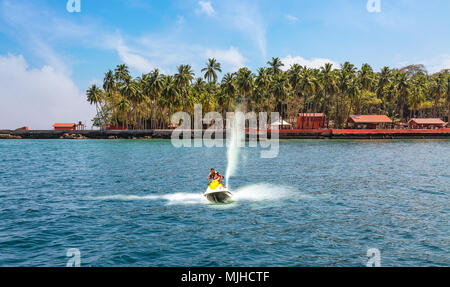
38 97
438 63
249 20
312 63
206 8
432 65
292 18
134 60
231 59
168 53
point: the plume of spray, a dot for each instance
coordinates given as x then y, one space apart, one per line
236 132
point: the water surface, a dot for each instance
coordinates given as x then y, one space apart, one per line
139 203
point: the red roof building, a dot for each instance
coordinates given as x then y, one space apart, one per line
426 124
310 121
64 127
369 121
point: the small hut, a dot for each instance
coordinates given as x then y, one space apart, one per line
369 121
426 123
282 125
310 121
64 126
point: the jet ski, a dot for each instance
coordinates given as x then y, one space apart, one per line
218 193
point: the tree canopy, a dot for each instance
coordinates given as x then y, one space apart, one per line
149 101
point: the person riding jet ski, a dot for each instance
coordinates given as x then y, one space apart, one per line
217 191
215 176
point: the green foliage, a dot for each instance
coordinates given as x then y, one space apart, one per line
149 101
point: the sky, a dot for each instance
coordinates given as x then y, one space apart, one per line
49 56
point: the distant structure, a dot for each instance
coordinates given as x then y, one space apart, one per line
80 126
310 121
22 129
282 125
369 121
64 126
426 124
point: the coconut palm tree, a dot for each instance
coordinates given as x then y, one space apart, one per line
245 83
109 84
129 90
95 96
384 79
211 69
448 98
153 84
275 66
124 107
229 90
328 81
438 89
402 85
417 97
365 76
121 73
307 86
280 91
183 79
170 95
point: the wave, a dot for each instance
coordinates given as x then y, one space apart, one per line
249 193
172 198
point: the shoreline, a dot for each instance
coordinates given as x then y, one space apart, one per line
283 134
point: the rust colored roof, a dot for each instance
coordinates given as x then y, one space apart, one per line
62 125
312 115
427 121
369 119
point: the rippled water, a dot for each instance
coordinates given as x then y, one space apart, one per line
139 203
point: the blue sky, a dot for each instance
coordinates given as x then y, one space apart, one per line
49 57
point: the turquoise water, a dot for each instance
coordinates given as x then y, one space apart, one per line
139 203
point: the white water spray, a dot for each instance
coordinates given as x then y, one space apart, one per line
237 126
249 193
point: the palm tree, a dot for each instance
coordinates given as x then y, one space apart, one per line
448 98
110 87
95 96
229 89
170 95
211 69
384 79
275 66
438 89
295 75
262 95
152 87
344 81
280 90
122 73
307 86
366 76
109 84
129 91
418 90
245 85
183 79
123 107
402 86
328 81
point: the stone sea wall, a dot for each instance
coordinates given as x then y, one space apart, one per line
287 134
